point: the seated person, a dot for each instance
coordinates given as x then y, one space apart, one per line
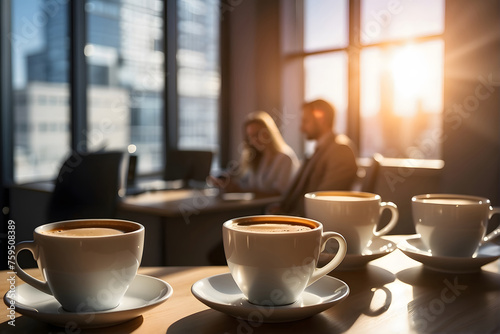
267 164
332 166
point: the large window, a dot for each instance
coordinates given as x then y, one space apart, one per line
40 56
401 100
198 74
125 60
124 71
326 28
401 66
380 63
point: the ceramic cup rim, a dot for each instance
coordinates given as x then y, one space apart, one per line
136 228
365 196
478 201
274 218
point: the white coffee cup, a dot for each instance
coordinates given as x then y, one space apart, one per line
453 225
353 214
273 258
87 264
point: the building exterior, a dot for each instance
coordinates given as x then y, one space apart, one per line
125 75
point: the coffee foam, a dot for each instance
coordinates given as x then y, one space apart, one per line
83 232
341 198
271 227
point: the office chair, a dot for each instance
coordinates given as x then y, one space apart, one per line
369 182
87 186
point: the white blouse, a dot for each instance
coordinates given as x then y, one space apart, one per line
273 174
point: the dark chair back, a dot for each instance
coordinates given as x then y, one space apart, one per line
369 182
87 186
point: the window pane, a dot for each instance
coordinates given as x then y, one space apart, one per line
383 20
198 76
125 71
402 100
325 24
41 93
326 78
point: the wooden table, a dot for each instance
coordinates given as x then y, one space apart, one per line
188 203
184 226
394 294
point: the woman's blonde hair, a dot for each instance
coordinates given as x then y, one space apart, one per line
251 157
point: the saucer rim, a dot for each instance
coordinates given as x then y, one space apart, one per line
379 253
279 312
451 264
451 258
115 316
361 260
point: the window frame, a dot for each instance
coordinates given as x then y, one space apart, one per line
78 85
79 122
6 103
353 50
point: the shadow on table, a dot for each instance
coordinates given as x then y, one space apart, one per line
363 284
368 294
216 322
24 324
447 302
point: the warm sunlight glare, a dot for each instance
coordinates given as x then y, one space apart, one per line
417 78
409 71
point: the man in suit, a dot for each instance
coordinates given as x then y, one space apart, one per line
331 167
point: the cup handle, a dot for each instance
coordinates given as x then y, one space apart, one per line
496 232
337 259
36 283
392 223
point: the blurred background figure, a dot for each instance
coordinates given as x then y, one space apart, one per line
331 167
267 164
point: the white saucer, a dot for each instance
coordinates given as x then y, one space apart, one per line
144 293
221 293
377 248
415 249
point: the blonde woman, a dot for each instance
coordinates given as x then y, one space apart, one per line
267 164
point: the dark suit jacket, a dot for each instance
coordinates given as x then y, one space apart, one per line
331 167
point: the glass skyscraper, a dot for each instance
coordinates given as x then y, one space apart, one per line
125 76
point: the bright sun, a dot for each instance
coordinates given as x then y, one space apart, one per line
408 71
415 73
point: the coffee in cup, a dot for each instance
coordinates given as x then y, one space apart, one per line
83 232
268 227
273 258
453 225
353 214
87 264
